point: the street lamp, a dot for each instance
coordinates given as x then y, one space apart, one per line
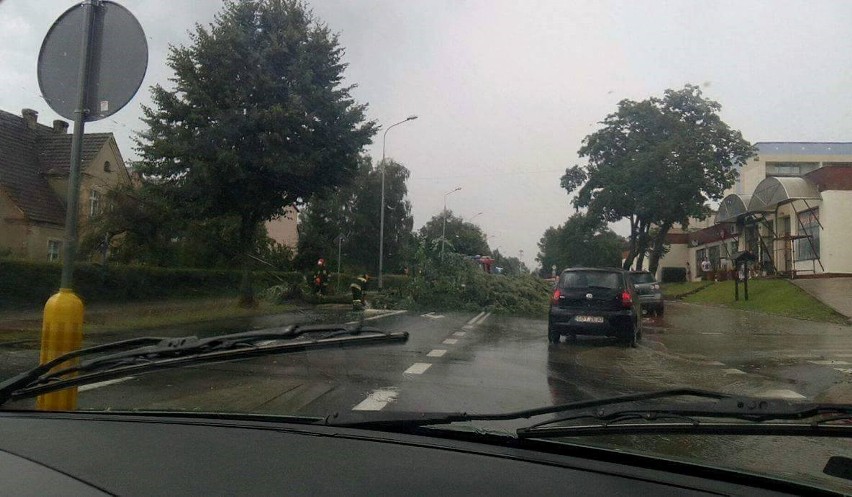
474 216
444 228
382 207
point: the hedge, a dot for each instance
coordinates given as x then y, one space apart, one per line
35 282
673 275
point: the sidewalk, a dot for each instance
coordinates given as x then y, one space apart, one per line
833 292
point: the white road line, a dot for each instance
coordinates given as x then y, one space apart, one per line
459 334
482 319
432 315
708 333
92 386
436 353
377 400
714 363
418 368
467 327
781 394
450 341
379 316
829 363
733 371
473 319
844 370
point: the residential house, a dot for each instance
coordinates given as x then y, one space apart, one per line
34 167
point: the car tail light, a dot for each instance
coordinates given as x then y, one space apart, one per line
555 299
626 299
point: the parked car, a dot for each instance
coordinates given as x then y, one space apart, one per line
650 295
595 301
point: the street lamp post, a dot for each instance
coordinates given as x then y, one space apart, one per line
382 213
444 228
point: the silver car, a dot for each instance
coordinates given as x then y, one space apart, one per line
648 289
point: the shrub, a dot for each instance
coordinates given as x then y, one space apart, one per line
673 275
34 282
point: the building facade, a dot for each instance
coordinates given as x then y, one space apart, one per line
791 207
34 168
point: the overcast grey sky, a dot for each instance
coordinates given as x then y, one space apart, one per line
506 90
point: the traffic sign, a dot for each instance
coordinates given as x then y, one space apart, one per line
117 62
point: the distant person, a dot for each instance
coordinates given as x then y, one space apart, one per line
706 267
320 280
359 288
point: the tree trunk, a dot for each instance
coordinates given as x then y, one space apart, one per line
640 260
247 229
631 248
659 245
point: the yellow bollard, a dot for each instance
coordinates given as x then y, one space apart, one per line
61 332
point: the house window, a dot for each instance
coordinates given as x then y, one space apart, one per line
54 249
107 167
806 249
94 203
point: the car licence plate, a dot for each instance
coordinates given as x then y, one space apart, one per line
589 319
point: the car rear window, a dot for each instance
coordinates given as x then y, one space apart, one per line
642 277
587 279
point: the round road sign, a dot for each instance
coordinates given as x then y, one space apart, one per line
117 66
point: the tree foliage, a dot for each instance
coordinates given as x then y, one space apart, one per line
353 211
583 240
461 236
657 162
257 119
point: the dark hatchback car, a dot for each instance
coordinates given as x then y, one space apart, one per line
648 289
595 301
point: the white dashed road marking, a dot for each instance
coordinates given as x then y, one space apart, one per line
432 315
844 370
383 314
481 320
377 400
436 353
450 341
829 363
733 371
92 386
459 334
709 333
418 368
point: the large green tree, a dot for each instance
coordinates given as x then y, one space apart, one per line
353 211
583 240
461 236
657 162
257 118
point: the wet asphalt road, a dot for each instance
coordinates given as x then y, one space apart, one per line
484 362
490 363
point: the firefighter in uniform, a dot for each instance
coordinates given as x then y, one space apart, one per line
359 287
320 278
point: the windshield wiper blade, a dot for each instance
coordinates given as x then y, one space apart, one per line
411 420
740 415
638 413
145 354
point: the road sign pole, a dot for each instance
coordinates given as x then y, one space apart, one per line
62 326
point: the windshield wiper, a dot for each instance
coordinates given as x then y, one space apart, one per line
619 415
139 355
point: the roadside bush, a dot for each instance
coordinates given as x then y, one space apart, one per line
34 282
673 275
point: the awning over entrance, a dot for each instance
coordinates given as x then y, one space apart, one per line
774 191
732 207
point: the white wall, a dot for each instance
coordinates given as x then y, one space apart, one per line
835 215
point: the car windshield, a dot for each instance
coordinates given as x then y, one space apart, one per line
446 169
642 278
586 279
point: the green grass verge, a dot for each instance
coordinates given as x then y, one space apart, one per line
770 296
680 290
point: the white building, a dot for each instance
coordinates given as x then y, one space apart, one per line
792 207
